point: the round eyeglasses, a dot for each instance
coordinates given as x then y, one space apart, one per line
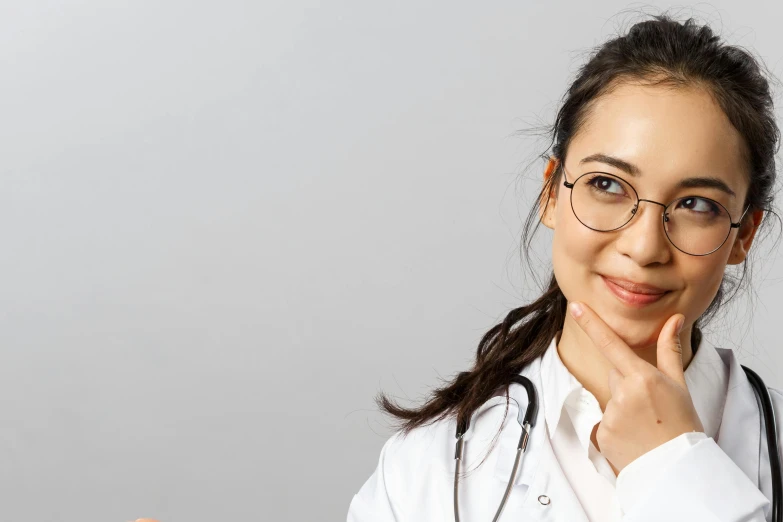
695 225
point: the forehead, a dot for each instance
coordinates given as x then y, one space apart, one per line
668 133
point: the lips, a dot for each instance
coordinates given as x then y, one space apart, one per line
639 294
636 288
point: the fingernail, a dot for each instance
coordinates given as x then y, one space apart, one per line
680 322
576 309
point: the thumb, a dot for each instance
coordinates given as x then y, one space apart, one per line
670 349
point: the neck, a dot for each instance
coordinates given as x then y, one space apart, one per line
589 366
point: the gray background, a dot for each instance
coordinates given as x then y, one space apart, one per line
227 225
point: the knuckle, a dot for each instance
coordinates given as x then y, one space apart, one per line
620 397
645 383
607 426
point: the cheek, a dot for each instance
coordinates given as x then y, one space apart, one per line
574 251
702 278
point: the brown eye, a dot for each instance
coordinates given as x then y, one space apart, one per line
605 184
699 205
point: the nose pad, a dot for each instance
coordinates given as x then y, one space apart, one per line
641 245
665 214
635 209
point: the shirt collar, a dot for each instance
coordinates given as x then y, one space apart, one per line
557 383
707 377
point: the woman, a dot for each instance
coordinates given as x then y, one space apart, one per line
661 173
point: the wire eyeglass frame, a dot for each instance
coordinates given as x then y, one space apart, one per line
664 214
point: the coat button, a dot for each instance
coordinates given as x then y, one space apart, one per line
543 499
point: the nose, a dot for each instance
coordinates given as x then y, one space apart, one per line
643 238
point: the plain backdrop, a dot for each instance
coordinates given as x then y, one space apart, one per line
228 225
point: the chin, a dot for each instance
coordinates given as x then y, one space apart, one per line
638 342
636 333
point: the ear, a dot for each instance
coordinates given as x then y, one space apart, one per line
747 231
546 210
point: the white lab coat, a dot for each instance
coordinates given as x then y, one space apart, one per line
727 480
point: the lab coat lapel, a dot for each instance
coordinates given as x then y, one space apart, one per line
740 430
546 494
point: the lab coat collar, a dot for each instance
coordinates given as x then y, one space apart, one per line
707 378
740 430
738 435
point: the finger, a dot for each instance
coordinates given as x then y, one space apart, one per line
670 349
605 339
615 378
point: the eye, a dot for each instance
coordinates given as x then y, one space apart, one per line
606 184
699 206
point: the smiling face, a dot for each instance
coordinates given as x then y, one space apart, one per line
667 135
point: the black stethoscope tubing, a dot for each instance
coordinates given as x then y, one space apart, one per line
762 392
528 421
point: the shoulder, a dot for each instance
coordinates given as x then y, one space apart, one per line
408 472
408 454
434 444
415 469
776 395
425 455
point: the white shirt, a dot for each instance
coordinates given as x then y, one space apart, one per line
572 412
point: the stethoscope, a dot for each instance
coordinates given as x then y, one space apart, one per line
528 420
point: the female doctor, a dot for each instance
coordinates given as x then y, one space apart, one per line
662 170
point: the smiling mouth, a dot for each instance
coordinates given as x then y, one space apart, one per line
635 299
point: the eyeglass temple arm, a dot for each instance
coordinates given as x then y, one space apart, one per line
738 223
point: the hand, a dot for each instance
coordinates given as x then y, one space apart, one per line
648 406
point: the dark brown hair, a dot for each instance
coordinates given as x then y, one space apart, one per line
658 51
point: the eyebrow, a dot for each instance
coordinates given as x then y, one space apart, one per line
633 170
